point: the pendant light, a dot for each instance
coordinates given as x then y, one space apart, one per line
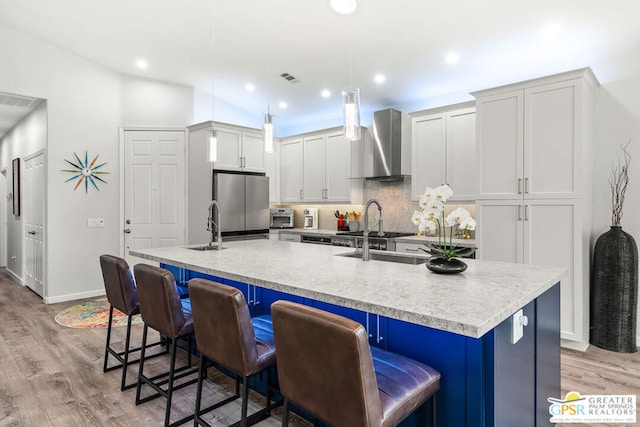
213 144
351 106
267 125
213 133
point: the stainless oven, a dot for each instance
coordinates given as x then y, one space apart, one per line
281 218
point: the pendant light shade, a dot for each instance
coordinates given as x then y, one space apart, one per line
213 145
351 104
268 133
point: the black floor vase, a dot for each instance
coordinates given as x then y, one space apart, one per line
614 292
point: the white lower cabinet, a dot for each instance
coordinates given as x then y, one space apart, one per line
290 237
541 232
412 248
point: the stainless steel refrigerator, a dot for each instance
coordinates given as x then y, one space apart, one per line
244 203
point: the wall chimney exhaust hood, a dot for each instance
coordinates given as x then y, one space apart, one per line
387 146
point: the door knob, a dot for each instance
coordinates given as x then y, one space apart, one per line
127 231
128 222
31 232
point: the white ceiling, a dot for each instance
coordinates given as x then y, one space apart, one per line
498 41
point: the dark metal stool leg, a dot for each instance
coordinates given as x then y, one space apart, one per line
172 368
245 402
285 413
106 348
140 371
125 364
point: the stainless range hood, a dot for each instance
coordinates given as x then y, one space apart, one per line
387 146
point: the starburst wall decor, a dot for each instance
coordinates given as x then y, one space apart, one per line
86 172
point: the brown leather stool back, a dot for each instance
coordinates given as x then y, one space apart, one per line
325 365
119 284
160 304
223 326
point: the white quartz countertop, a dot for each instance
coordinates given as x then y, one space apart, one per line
471 303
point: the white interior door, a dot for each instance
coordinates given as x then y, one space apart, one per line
154 181
33 207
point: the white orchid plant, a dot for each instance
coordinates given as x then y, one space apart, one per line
431 219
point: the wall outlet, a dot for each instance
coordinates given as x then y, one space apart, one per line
95 222
518 322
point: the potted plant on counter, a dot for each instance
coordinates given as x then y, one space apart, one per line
445 255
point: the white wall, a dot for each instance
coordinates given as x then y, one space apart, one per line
617 121
86 104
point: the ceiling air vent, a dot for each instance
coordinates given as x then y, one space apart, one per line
17 101
288 77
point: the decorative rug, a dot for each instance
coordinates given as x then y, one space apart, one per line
93 314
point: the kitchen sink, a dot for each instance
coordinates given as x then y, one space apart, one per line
389 257
205 247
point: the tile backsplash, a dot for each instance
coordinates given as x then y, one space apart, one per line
397 207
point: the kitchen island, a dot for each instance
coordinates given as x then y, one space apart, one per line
459 324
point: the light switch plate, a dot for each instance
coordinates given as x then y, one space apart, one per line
517 326
95 222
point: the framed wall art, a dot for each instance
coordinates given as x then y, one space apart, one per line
16 186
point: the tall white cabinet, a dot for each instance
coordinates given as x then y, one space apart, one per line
534 155
443 145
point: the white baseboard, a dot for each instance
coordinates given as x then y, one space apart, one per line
15 276
73 297
574 345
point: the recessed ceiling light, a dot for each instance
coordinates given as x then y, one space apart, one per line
344 7
283 105
325 93
250 87
452 58
380 78
142 64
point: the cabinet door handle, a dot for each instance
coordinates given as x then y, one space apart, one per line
411 250
526 186
378 328
300 194
519 185
526 212
519 213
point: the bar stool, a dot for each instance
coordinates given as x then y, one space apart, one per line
325 366
161 309
121 294
228 336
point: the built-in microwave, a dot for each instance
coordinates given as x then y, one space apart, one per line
281 218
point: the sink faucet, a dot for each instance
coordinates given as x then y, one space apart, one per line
365 233
212 225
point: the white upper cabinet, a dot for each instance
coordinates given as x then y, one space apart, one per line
530 141
253 155
338 168
314 168
291 170
443 152
318 168
327 161
239 149
272 170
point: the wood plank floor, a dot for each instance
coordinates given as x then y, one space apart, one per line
52 376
